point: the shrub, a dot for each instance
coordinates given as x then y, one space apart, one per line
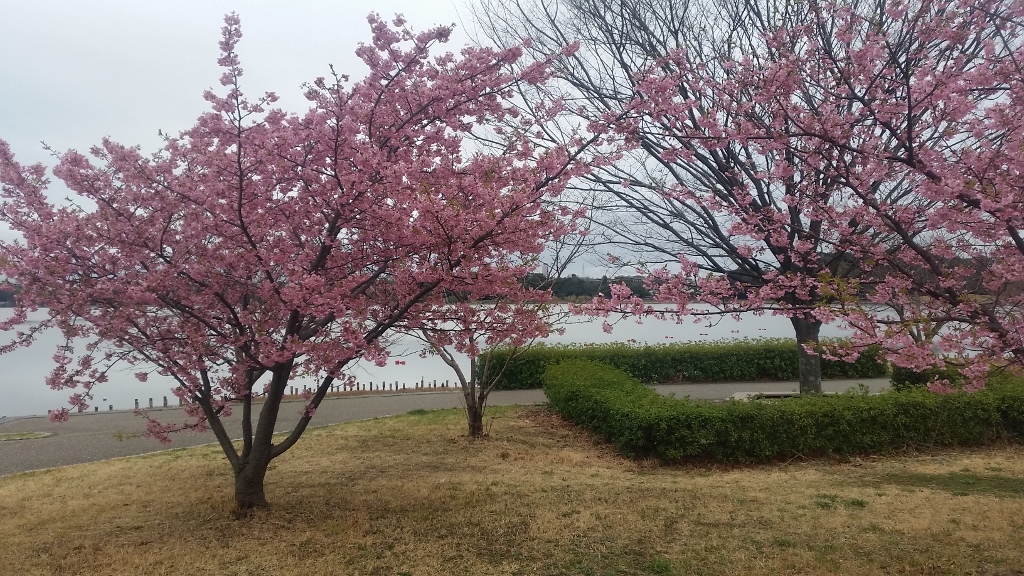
640 422
902 379
718 361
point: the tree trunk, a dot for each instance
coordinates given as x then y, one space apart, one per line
810 363
475 417
249 485
251 468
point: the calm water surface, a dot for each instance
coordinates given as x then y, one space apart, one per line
23 391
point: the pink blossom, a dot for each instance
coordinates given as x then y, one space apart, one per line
260 244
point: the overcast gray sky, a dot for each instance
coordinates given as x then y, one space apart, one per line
74 71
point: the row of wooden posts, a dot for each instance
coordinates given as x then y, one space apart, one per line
293 390
362 386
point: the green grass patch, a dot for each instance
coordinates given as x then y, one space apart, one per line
11 436
959 483
834 501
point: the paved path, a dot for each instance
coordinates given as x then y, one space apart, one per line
88 437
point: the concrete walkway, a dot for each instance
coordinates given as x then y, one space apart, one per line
88 437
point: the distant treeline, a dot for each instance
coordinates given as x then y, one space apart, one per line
8 292
574 287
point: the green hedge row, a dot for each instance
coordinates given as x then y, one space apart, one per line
907 379
640 422
719 361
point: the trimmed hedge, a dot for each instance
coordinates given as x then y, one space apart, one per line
718 361
906 379
640 422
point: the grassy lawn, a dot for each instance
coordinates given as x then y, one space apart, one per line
412 495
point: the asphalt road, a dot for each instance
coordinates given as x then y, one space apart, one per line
92 436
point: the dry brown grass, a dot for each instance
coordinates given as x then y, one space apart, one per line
412 495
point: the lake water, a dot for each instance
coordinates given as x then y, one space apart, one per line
23 391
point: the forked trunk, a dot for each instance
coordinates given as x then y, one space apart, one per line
810 363
249 485
251 466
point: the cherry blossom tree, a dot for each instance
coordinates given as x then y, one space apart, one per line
259 245
467 335
736 225
852 159
480 338
922 97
